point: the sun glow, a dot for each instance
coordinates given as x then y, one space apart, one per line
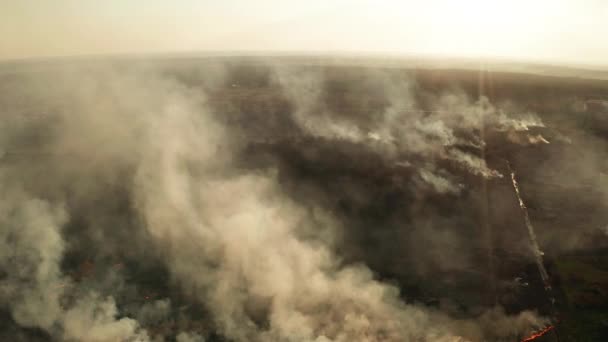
478 27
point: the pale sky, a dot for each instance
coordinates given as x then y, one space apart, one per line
556 31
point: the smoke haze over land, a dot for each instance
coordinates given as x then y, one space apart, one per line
326 171
141 202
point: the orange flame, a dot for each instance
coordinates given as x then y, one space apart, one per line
538 334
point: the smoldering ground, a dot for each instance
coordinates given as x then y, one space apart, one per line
145 202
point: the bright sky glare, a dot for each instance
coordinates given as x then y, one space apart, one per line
557 31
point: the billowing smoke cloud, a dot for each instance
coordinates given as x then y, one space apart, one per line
446 129
127 214
32 247
94 319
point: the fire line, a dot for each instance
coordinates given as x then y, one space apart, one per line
538 334
536 249
538 258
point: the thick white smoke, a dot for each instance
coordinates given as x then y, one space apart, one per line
403 127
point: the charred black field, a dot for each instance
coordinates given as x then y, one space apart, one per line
275 199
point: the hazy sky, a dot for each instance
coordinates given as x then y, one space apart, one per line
567 31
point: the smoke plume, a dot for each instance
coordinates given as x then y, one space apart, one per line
133 211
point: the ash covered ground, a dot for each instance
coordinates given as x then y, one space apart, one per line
269 199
